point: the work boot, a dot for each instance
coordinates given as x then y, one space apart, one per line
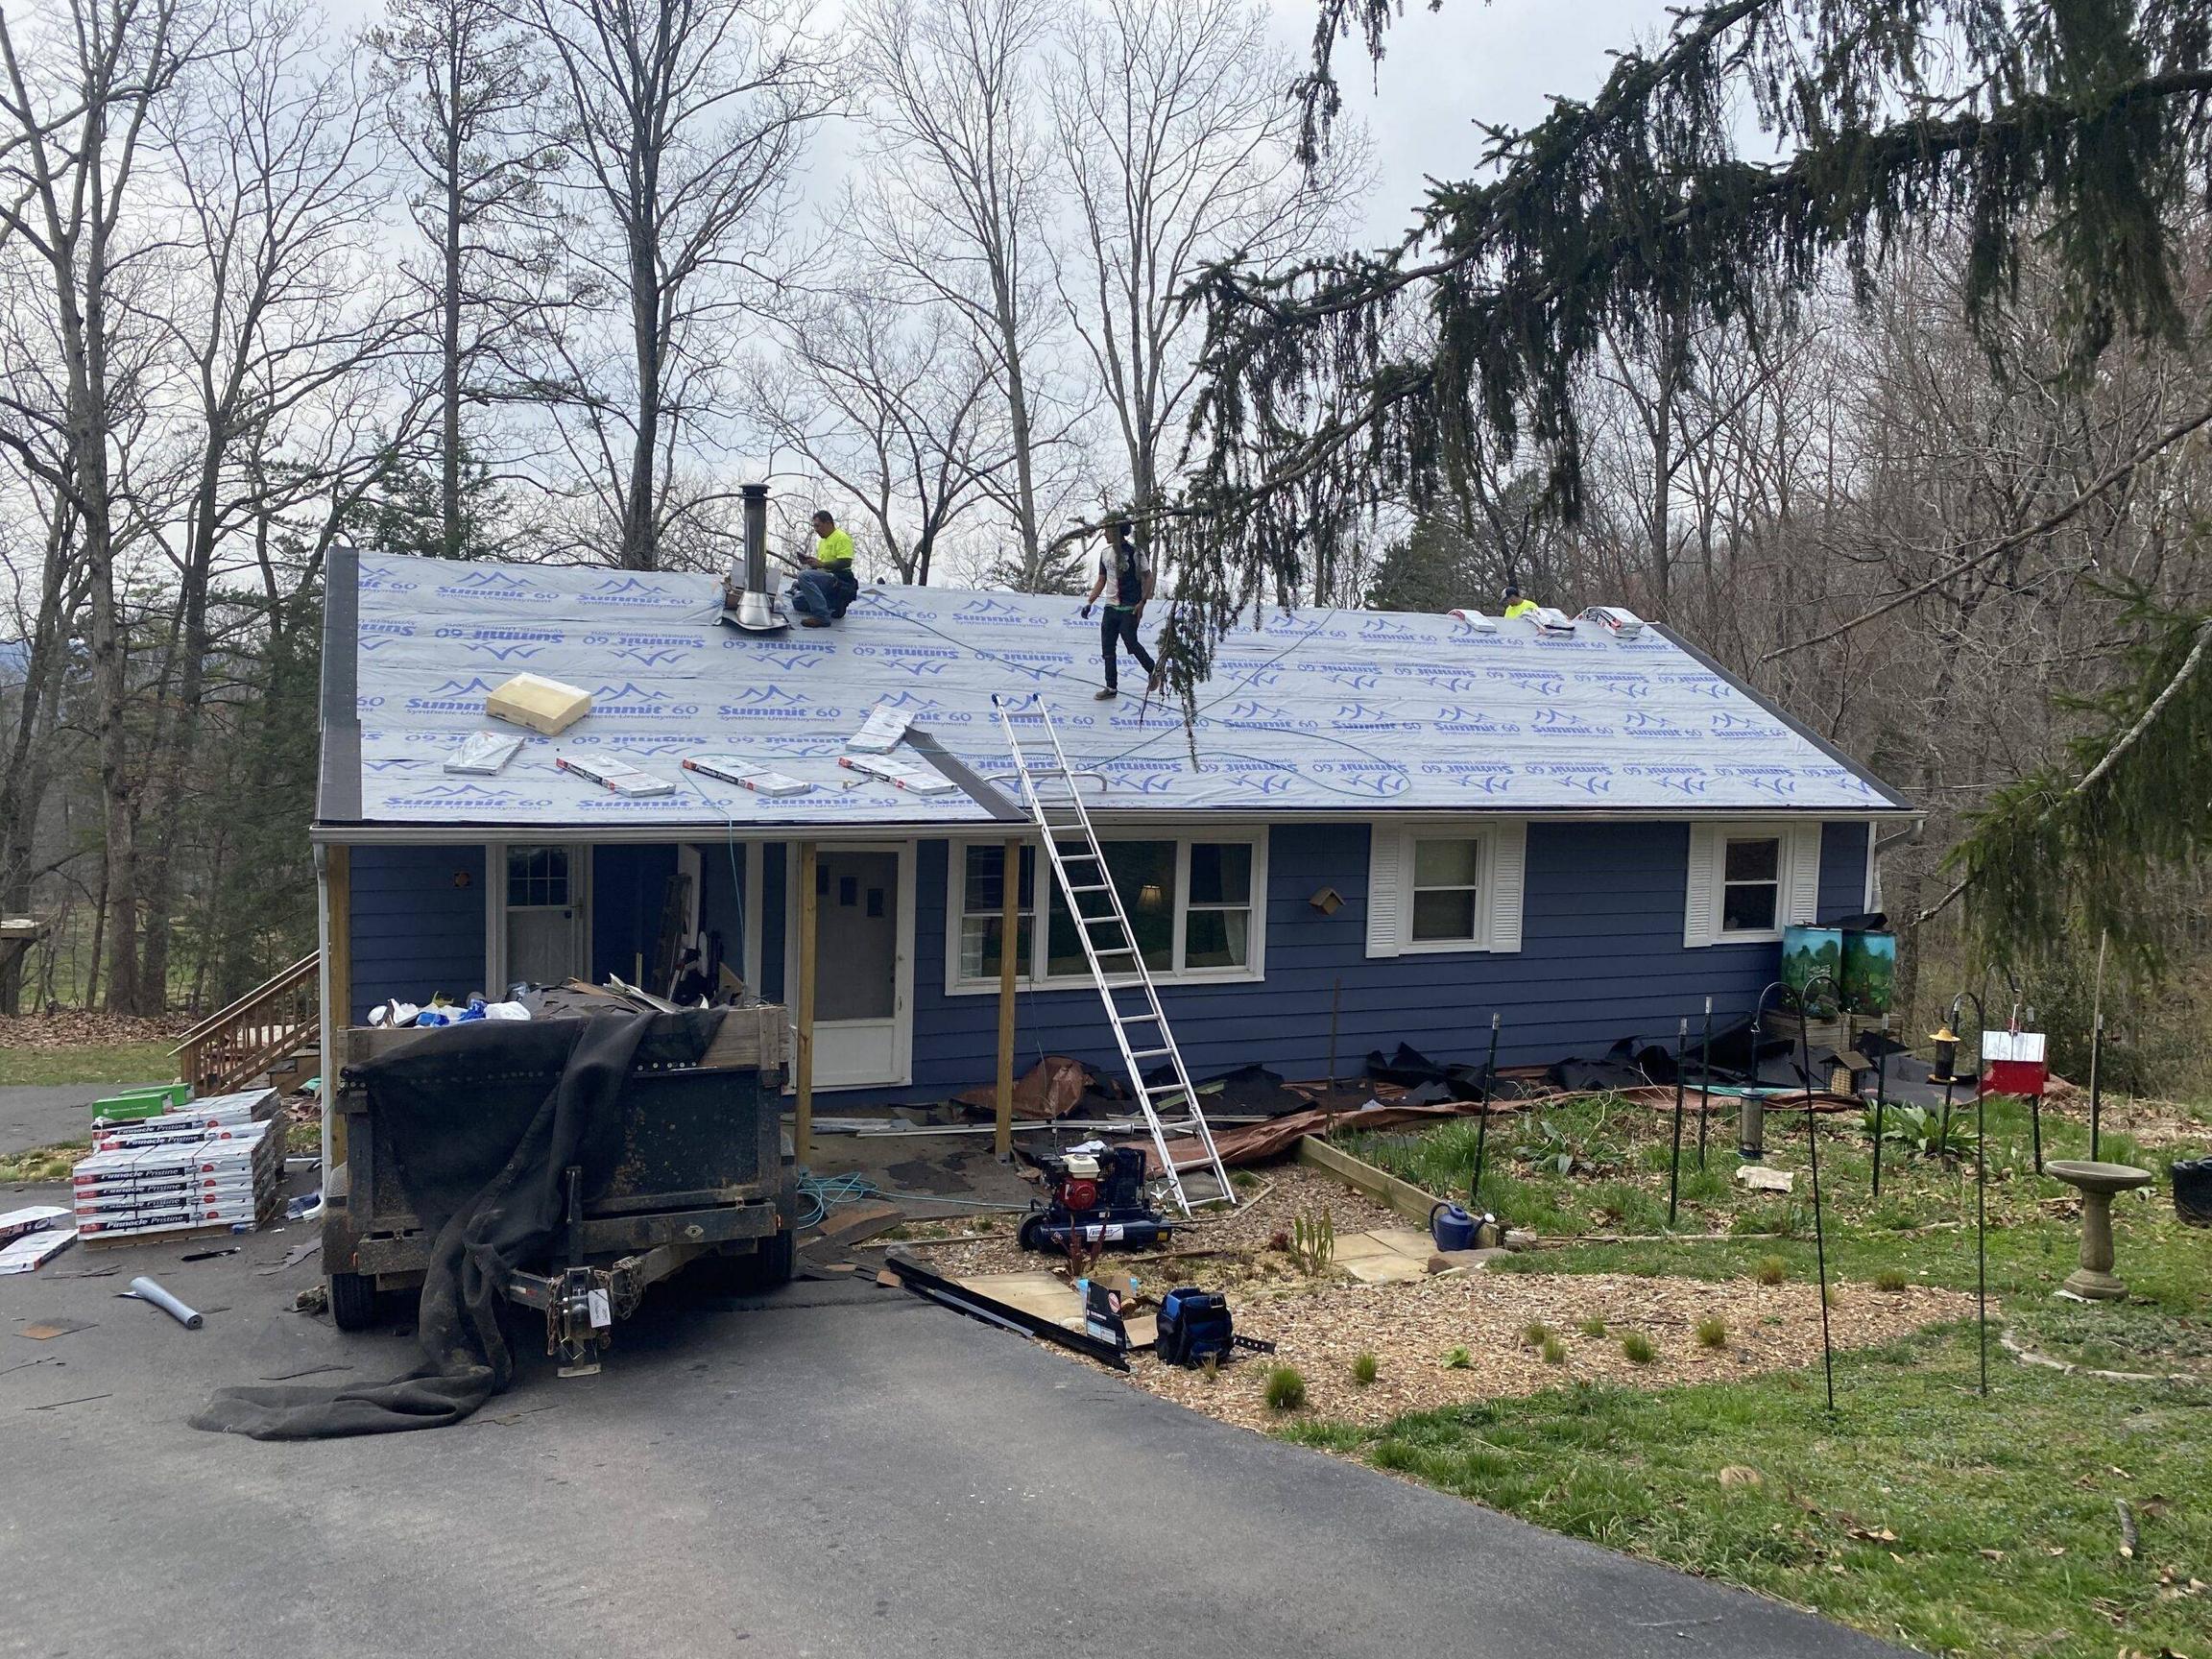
1105 695
812 622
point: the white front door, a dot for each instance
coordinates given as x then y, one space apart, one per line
864 963
546 929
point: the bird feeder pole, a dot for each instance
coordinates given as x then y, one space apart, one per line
1705 1082
1482 1121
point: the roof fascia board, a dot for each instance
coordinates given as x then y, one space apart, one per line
661 834
338 784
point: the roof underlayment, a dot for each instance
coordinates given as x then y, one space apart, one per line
1315 710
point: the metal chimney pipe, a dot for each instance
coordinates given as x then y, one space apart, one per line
756 497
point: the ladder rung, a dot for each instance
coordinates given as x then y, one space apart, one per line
1151 1053
1100 888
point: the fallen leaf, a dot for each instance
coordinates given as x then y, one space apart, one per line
1874 1534
1741 1474
1991 1554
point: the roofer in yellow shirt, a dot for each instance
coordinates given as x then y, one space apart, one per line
1515 605
821 591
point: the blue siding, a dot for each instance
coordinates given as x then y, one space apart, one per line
1601 958
1842 869
629 885
418 925
1601 955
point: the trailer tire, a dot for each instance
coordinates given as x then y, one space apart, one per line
773 1263
353 1301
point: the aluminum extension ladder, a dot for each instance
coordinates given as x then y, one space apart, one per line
1051 796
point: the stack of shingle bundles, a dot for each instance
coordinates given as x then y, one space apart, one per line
214 1163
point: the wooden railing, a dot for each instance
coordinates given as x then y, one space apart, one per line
269 1024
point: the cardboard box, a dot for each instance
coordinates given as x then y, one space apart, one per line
15 1224
545 706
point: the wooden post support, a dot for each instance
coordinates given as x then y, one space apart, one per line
803 1125
337 992
1009 959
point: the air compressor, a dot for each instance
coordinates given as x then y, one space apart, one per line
1097 1199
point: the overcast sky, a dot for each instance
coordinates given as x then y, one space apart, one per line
1444 71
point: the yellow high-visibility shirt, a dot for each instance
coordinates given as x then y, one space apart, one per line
835 549
1519 606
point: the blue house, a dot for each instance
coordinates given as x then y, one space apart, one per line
1386 825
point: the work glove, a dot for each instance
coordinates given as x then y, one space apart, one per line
1086 613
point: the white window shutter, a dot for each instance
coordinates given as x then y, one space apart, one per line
1508 872
1701 907
1385 891
1803 898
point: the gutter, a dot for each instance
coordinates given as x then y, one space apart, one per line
936 828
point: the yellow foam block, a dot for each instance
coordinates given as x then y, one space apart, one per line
540 703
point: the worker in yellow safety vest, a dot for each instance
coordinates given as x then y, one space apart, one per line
1515 605
823 590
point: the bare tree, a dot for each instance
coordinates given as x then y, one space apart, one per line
79 96
1177 134
460 90
680 123
957 206
271 310
896 408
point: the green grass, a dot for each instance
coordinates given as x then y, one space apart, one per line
1619 1151
117 1062
40 1165
1879 1516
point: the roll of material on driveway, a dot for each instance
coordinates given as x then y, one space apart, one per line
146 1290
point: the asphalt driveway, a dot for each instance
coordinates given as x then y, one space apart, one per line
842 1471
47 1115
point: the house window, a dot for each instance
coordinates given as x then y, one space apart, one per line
1218 918
1751 884
983 909
537 876
1446 891
1192 905
1144 877
1748 881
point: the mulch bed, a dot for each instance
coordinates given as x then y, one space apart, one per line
1321 1325
1286 1191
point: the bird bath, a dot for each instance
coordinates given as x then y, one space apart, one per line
2098 1182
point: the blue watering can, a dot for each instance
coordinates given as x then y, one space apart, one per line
1451 1227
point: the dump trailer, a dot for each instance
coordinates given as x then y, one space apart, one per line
704 1174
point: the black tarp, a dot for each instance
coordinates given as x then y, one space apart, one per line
482 1146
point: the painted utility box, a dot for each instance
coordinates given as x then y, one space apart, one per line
1808 954
1869 978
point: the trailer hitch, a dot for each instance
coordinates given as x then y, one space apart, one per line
581 1303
